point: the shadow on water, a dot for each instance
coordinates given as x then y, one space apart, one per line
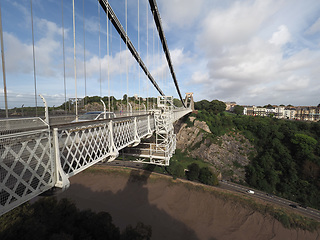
131 205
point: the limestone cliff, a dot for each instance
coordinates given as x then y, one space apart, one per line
228 154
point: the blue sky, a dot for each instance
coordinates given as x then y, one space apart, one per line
249 51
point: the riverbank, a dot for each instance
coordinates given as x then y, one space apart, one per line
174 209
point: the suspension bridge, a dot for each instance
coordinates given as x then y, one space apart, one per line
42 152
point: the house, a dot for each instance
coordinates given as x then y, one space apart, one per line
248 110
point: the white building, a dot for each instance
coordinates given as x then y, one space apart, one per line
289 113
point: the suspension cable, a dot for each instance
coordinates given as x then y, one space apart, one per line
64 63
99 51
108 76
34 62
108 60
116 23
3 68
74 58
153 60
84 59
147 51
139 49
121 79
157 19
126 9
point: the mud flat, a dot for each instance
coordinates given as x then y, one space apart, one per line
174 209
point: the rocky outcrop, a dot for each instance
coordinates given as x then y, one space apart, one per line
228 154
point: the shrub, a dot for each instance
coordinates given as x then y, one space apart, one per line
207 177
193 172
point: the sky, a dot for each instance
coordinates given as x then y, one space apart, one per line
253 52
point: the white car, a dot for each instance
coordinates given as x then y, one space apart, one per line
96 115
250 191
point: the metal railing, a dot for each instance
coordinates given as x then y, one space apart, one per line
35 157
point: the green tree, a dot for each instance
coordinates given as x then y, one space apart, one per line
177 102
193 172
207 177
49 219
305 146
175 169
268 106
201 105
217 106
238 109
140 232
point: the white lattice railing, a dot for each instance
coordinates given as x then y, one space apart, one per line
26 165
33 161
35 158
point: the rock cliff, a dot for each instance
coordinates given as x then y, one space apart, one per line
228 154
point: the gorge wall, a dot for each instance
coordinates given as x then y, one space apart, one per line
228 154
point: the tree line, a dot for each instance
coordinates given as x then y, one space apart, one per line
61 220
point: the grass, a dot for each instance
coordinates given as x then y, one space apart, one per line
184 160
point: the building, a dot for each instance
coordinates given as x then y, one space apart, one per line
309 113
248 110
290 113
279 112
259 111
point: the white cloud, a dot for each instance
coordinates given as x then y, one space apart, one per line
92 24
200 77
255 61
315 28
253 58
116 64
180 13
294 83
179 57
19 55
49 29
281 37
236 24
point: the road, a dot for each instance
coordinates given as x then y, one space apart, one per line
308 212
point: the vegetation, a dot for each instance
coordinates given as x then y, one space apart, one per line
213 107
176 169
207 177
193 172
50 219
288 153
238 110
